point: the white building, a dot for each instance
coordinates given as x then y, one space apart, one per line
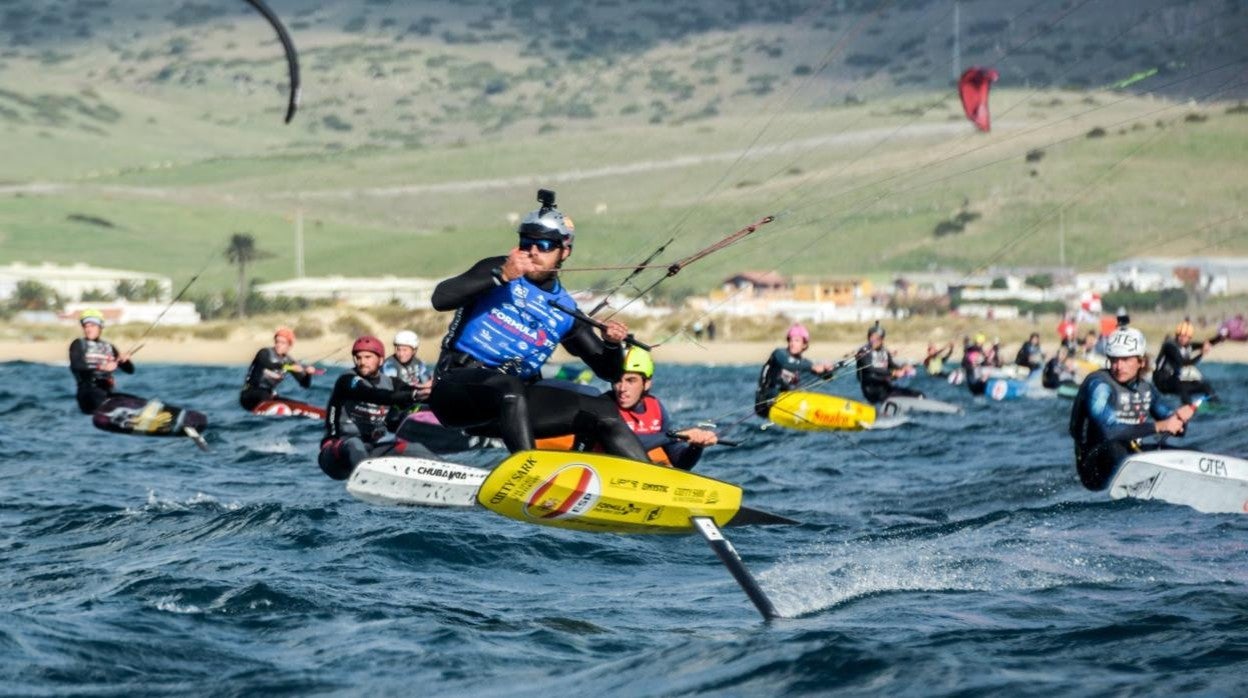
70 282
121 312
411 293
1218 275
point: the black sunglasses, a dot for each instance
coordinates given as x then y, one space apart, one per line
542 245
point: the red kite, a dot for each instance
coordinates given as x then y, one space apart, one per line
973 87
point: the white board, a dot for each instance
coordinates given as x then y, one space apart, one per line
902 405
1204 481
416 482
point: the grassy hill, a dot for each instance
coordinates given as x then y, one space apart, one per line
147 136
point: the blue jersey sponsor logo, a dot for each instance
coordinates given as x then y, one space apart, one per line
514 327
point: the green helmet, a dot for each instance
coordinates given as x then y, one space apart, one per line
637 360
91 315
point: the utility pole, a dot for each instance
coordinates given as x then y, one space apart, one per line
1061 239
957 49
299 242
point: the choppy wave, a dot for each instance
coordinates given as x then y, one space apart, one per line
954 555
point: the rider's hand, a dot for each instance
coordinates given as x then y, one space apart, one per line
614 332
1170 425
517 265
700 437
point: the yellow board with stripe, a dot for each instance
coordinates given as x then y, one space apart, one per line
819 412
601 493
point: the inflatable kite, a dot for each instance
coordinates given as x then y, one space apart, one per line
973 87
292 57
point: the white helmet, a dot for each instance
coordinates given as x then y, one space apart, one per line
407 338
1125 341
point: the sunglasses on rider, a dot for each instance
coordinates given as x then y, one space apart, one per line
542 245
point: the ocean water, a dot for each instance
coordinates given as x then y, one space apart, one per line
955 555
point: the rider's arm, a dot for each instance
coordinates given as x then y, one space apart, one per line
459 291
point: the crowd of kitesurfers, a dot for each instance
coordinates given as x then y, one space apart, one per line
511 312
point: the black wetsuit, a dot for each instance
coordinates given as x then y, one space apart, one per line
355 421
266 371
95 385
1171 361
1106 422
1055 374
486 377
875 374
781 373
973 361
1030 356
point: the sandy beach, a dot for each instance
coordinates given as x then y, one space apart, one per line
334 350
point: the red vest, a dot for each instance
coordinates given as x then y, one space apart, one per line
646 422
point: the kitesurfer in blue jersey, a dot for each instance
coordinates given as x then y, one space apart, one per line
1030 355
1113 408
93 361
1176 372
784 369
648 418
269 368
505 328
877 369
355 418
403 365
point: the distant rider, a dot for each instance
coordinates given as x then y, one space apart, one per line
93 361
1112 410
936 357
877 369
649 420
974 364
355 418
1030 355
505 328
784 369
1058 370
403 366
269 368
1176 372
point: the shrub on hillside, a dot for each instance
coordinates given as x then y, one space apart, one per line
350 326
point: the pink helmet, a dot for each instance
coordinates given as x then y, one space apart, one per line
798 330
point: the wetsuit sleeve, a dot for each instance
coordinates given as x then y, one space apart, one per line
459 291
1023 357
766 375
862 364
1171 356
1101 411
303 379
125 366
78 359
605 360
681 454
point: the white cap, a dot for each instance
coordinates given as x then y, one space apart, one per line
407 338
1125 341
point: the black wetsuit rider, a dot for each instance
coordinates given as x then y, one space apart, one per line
95 385
355 421
266 371
502 333
875 374
1168 375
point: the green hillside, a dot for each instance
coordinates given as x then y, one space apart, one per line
144 142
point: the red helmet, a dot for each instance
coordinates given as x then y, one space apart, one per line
368 343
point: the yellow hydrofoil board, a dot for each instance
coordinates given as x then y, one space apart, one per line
601 493
820 412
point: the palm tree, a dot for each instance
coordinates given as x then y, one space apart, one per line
241 252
